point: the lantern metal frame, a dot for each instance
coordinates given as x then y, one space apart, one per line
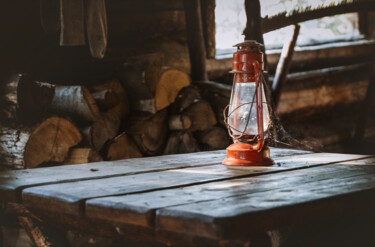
243 152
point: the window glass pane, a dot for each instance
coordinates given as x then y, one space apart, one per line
231 21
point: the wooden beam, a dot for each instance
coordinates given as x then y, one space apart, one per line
209 26
365 109
253 29
196 44
283 66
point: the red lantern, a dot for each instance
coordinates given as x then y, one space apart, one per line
248 117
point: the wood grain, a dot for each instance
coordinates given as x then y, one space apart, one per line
12 182
140 208
237 216
70 197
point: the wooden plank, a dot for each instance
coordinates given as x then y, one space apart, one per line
238 216
139 209
70 197
12 182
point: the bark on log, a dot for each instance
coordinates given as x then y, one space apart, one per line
121 109
82 156
185 97
181 142
122 147
217 94
179 122
149 131
24 100
101 131
50 141
8 99
105 99
201 115
215 138
75 102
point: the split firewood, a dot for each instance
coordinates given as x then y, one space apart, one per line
49 141
122 147
179 122
101 131
75 102
170 82
105 99
139 77
181 142
201 115
218 94
149 131
215 138
24 100
82 156
152 88
185 97
118 98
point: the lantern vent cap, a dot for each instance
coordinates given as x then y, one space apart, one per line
250 45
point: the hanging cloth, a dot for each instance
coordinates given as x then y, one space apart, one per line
96 27
72 31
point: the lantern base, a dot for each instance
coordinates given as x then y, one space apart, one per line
241 154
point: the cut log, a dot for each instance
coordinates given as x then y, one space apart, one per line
75 102
179 122
170 82
105 99
121 109
101 131
24 100
217 94
150 131
82 156
122 147
181 142
139 77
215 138
8 98
202 116
184 98
150 87
50 141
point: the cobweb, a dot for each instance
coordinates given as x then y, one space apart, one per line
278 136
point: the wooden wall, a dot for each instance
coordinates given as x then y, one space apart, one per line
134 27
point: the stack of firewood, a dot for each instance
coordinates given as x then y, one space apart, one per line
147 112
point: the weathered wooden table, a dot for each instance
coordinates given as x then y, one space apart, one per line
191 199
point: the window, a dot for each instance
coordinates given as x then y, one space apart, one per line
231 20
